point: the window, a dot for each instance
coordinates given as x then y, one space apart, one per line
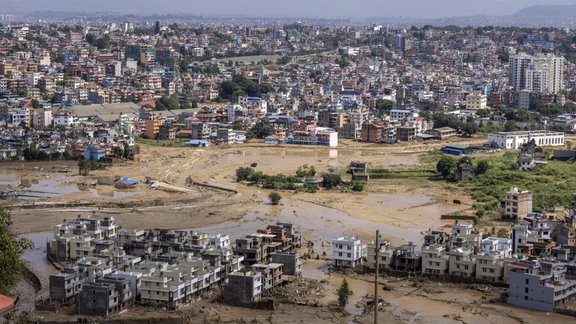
339 253
527 281
526 290
349 255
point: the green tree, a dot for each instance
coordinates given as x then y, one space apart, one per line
510 126
445 120
470 128
343 293
384 106
35 103
331 180
305 171
482 167
283 60
264 131
483 113
11 248
446 166
536 104
90 39
170 102
244 173
83 167
274 197
227 88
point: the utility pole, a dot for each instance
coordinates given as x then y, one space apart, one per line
376 250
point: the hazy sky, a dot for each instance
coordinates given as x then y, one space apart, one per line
287 8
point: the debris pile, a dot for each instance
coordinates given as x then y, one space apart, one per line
301 292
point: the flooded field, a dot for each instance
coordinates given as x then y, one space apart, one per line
391 200
36 185
317 223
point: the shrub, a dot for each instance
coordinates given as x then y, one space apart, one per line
358 185
331 180
244 173
274 198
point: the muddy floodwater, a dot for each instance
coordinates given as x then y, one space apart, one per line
36 257
36 184
317 223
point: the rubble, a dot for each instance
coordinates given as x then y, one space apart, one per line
302 291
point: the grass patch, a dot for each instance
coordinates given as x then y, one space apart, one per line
551 184
178 142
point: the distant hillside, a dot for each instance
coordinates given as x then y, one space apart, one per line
548 11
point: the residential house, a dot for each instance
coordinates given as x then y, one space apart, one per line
406 259
243 287
434 259
517 204
539 285
462 262
385 255
348 252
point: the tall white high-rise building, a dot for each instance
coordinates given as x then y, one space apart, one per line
517 67
540 74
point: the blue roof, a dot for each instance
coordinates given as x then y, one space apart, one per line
253 98
129 180
197 142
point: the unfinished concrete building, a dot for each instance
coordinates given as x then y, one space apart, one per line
244 288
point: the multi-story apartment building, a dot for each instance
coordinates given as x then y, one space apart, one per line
65 285
372 132
476 100
462 262
200 131
64 117
385 255
539 285
434 259
271 274
490 266
541 73
243 288
152 128
500 245
517 204
348 252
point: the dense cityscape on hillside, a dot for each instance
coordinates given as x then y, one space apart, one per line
229 169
